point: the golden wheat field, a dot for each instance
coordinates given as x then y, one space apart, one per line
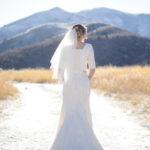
128 83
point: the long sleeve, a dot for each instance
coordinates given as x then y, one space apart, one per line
91 58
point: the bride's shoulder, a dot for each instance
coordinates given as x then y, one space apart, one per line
89 46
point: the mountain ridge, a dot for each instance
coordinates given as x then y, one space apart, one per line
138 23
112 45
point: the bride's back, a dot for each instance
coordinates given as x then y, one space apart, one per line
76 60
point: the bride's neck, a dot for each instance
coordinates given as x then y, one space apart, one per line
80 42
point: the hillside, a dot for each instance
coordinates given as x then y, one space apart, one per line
112 45
32 36
137 23
54 15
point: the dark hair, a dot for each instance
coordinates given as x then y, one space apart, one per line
80 29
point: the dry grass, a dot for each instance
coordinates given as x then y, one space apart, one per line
38 75
128 83
7 90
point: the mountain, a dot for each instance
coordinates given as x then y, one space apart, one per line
31 36
138 23
54 15
112 45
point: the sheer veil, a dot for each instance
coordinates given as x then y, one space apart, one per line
69 41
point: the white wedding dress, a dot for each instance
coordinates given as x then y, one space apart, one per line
74 131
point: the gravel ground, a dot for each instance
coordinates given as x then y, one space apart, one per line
29 122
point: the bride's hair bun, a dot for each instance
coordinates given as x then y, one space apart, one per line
80 29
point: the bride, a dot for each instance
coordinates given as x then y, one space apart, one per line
69 64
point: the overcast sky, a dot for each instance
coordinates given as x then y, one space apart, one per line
11 10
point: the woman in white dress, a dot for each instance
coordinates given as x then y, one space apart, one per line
69 64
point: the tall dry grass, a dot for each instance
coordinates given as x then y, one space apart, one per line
7 90
38 75
128 83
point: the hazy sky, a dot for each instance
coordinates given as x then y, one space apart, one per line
11 10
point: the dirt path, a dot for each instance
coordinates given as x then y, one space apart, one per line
29 123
